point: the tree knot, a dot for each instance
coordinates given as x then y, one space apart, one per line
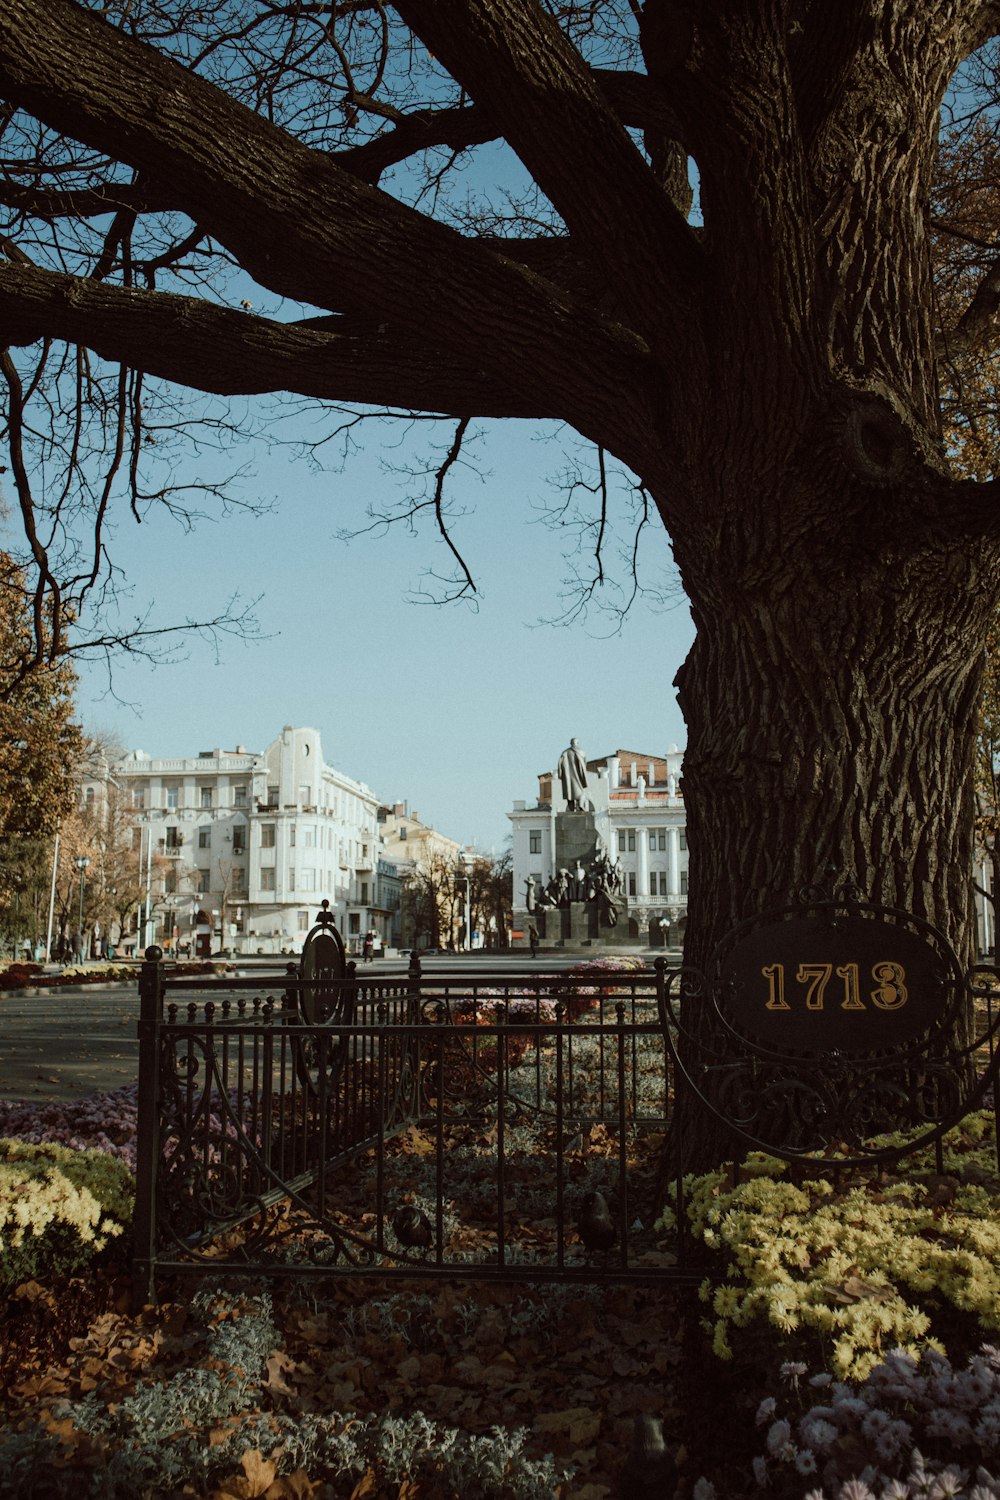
880 441
877 443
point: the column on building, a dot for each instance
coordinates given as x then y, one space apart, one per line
674 862
642 849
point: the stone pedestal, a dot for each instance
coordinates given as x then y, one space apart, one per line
582 921
553 923
576 840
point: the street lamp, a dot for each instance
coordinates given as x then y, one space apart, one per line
81 863
464 880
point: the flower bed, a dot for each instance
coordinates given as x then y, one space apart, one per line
848 1271
102 1122
20 976
58 1208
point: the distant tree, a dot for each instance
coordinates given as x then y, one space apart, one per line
41 745
227 891
431 902
40 750
492 891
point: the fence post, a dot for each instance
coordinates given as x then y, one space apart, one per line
148 1129
414 1047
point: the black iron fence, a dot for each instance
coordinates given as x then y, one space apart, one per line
468 1124
531 1108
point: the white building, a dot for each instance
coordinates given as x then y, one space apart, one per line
245 845
639 819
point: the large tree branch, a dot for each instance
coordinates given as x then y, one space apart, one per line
976 329
297 222
637 100
514 60
212 348
957 512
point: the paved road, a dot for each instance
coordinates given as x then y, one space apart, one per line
65 1045
74 1042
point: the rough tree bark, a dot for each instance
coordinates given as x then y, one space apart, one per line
771 376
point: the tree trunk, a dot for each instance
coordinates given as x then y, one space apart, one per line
831 699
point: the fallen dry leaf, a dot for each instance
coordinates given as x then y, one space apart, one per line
579 1423
259 1473
278 1366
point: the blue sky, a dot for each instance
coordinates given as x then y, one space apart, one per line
454 710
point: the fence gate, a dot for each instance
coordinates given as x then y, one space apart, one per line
459 1123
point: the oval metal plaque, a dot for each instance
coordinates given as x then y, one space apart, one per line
322 958
815 983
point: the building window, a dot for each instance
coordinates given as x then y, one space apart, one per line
684 838
174 839
201 883
267 835
205 795
663 883
291 877
204 838
303 920
239 796
621 841
631 883
684 882
631 840
139 797
309 838
171 796
662 838
291 836
364 893
267 878
239 879
402 833
170 881
238 838
534 841
309 879
354 922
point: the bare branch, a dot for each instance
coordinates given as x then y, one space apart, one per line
513 59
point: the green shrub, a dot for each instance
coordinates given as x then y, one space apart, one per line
58 1208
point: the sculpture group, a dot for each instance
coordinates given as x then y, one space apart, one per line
599 881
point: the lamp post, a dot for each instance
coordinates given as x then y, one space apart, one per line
464 880
81 863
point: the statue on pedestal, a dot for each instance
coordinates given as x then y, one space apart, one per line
573 777
529 893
